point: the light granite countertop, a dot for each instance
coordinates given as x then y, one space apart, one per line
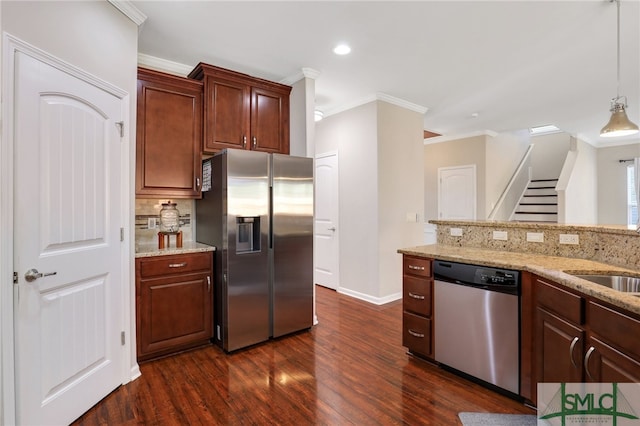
557 269
150 250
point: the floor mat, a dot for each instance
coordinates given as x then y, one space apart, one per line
490 419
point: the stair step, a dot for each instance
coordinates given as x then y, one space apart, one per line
537 208
535 217
543 183
540 191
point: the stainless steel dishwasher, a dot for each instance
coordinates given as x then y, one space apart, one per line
477 322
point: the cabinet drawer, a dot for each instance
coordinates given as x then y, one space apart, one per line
616 328
416 334
178 264
568 305
419 266
417 294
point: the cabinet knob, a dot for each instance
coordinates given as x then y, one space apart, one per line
244 141
255 142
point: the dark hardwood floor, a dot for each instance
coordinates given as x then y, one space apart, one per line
350 369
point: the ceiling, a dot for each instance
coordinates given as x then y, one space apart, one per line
474 65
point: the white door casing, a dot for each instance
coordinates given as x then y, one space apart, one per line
326 227
66 222
457 193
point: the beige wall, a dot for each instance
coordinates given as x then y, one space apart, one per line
400 190
612 183
548 155
581 191
504 153
454 153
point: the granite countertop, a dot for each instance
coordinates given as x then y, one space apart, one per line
557 269
150 250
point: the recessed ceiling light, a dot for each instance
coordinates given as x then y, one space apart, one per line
342 49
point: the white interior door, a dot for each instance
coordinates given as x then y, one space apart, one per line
457 193
326 229
67 197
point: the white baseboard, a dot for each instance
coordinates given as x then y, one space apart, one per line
369 298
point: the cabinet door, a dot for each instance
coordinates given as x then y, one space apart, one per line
560 346
169 135
227 110
604 364
269 121
173 313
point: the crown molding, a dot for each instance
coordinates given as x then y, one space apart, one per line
401 103
160 64
377 97
129 10
447 138
304 73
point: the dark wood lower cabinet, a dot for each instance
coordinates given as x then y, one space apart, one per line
417 305
560 348
605 364
581 339
174 301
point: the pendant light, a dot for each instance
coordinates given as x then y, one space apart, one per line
619 124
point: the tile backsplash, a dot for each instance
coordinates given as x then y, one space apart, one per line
150 209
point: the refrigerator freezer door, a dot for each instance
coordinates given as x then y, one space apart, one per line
292 244
247 280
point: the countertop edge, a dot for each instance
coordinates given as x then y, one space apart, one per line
153 250
554 268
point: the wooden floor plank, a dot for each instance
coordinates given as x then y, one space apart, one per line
349 369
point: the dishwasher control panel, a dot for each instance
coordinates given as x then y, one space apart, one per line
495 276
504 280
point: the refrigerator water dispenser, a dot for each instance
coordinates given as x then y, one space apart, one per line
247 234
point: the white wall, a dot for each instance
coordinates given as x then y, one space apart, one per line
612 183
581 191
98 38
380 180
400 191
353 134
548 155
504 152
302 128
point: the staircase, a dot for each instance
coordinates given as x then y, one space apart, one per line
539 203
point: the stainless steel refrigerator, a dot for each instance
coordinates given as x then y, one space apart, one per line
259 215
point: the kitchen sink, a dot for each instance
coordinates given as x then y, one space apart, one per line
615 282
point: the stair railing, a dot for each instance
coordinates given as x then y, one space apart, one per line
514 189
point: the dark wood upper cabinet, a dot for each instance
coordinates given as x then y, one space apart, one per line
243 112
169 136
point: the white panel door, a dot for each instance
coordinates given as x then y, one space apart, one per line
67 227
326 230
457 193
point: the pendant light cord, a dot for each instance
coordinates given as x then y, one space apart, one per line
618 53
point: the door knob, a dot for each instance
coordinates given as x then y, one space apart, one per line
33 274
